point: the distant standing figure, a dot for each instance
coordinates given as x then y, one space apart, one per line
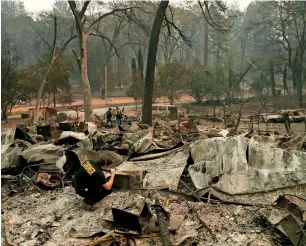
114 113
109 116
119 116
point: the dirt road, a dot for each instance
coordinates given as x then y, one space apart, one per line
99 103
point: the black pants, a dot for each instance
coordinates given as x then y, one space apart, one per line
109 120
119 120
92 196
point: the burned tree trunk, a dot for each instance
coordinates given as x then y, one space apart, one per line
88 108
40 92
149 81
285 116
134 76
52 60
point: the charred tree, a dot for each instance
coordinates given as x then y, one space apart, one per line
83 33
53 57
134 76
149 80
44 80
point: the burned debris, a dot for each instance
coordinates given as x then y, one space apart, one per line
174 185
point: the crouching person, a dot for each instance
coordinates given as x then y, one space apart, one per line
91 183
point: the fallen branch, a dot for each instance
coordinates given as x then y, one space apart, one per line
100 239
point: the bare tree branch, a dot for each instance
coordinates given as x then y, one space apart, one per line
168 26
212 19
91 26
76 15
83 23
123 46
72 28
222 6
185 38
170 9
283 30
65 44
42 38
54 36
77 59
215 27
109 41
84 9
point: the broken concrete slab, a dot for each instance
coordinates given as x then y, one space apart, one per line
234 166
133 128
128 176
295 142
216 156
268 169
164 173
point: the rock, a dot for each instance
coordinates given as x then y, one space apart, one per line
134 127
46 220
238 210
35 195
90 127
28 243
15 219
128 176
62 203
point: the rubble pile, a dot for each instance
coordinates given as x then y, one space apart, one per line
216 188
57 218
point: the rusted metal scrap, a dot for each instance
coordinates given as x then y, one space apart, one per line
288 215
